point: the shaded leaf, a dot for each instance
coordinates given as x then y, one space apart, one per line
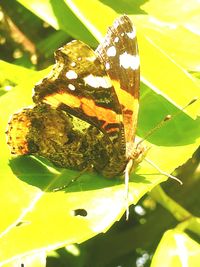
59 16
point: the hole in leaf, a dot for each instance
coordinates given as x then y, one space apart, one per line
80 212
21 223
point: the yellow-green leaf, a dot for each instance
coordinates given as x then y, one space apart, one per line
176 249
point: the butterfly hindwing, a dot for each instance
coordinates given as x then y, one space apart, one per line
119 54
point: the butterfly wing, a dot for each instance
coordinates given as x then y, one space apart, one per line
98 88
119 54
79 85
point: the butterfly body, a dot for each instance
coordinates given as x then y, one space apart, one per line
86 109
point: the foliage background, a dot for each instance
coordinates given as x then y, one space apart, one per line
34 220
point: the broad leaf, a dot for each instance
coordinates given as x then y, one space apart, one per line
59 16
92 204
176 249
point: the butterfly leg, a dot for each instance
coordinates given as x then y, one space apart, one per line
73 180
127 172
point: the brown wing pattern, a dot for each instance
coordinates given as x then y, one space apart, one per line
119 54
86 108
80 85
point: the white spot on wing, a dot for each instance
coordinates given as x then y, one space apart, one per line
122 34
116 24
71 87
107 65
73 64
129 61
116 40
92 58
111 52
71 74
132 34
97 81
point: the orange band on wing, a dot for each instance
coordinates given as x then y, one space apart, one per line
56 99
103 114
128 103
88 106
125 98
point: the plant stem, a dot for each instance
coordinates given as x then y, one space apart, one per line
182 215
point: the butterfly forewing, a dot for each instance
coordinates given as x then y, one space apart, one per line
80 85
119 54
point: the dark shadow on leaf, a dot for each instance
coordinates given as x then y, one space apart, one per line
39 172
31 171
128 7
138 179
93 181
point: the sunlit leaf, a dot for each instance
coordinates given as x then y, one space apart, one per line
37 259
50 220
176 249
92 203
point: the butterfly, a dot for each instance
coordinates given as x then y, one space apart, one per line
86 109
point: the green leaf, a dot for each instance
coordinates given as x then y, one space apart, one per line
48 45
13 73
92 204
170 11
186 219
37 259
176 28
176 249
58 15
169 36
26 205
97 202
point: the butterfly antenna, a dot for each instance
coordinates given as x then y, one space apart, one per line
166 118
127 172
163 172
